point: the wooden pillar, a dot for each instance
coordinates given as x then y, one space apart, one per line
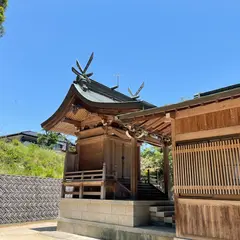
139 161
166 170
134 169
81 191
64 172
103 187
108 152
148 176
78 160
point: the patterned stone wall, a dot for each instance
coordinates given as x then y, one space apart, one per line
24 199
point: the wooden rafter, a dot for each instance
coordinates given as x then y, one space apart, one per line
166 131
157 123
142 123
150 122
162 127
156 127
70 121
141 117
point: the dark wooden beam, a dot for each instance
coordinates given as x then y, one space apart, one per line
152 141
166 170
74 122
141 117
90 132
134 169
118 132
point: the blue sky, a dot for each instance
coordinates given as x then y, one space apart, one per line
178 48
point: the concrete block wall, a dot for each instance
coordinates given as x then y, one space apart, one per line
123 213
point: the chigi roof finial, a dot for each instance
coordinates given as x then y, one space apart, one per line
83 78
136 95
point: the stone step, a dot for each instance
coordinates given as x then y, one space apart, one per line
139 185
165 214
156 196
162 208
157 219
150 192
162 205
168 220
161 221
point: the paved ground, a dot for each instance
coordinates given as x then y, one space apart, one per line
36 231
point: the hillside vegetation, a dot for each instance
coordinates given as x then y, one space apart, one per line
31 160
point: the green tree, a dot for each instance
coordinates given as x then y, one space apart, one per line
49 139
3 6
152 160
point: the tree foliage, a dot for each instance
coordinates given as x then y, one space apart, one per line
49 139
3 6
31 160
152 160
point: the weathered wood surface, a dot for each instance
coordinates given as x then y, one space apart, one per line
208 121
92 153
206 134
71 163
208 219
208 168
134 169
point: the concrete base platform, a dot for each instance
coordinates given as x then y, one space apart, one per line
114 232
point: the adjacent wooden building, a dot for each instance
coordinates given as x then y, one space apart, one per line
206 155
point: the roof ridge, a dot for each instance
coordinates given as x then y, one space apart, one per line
107 91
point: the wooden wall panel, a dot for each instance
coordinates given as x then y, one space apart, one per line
71 163
118 158
208 219
208 121
127 169
119 149
91 155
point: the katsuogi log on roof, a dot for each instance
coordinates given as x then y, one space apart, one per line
89 102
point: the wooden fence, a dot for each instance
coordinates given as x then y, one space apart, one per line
207 168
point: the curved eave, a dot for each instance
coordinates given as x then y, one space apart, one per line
74 96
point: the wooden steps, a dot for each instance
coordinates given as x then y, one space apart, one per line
163 214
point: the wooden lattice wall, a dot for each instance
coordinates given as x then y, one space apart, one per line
207 168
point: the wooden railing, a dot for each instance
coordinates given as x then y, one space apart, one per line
207 168
80 179
154 178
84 175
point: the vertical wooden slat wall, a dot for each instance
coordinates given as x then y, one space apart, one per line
207 168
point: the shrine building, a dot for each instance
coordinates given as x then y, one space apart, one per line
103 192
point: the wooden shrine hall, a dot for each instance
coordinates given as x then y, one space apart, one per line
106 163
